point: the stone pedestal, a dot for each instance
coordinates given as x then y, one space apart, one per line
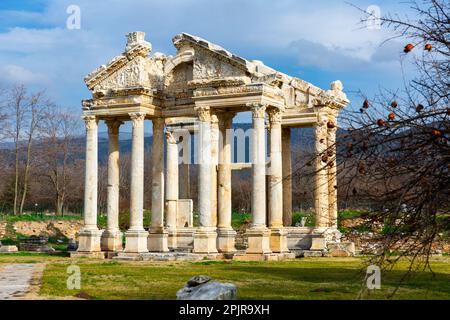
89 241
136 241
278 240
111 241
172 242
205 240
226 240
158 241
258 241
318 243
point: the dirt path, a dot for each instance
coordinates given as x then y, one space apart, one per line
20 281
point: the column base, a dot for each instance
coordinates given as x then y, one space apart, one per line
258 240
157 241
278 240
136 241
111 241
89 241
205 240
172 242
226 240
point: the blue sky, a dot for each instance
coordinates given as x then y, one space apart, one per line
318 41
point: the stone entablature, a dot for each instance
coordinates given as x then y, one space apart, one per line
201 89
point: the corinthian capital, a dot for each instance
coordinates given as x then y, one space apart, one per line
91 122
204 114
137 118
274 116
258 109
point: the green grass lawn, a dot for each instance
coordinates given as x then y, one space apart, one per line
308 278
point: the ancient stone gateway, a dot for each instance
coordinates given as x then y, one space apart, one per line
200 90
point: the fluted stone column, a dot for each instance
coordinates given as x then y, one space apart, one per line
157 238
172 190
332 182
89 236
214 163
258 234
205 236
136 236
225 233
287 176
321 174
112 237
278 239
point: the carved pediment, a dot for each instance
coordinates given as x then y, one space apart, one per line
202 69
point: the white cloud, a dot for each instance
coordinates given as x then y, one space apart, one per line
18 74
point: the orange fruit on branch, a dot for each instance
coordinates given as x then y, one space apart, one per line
391 116
408 48
394 104
436 132
366 104
380 122
428 47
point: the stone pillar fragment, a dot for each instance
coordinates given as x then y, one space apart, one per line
157 238
287 176
332 182
172 190
136 236
225 233
321 174
278 236
258 234
205 236
184 180
112 237
89 236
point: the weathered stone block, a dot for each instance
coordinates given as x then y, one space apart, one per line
258 241
318 243
226 240
157 242
278 240
89 241
201 288
205 241
111 241
136 241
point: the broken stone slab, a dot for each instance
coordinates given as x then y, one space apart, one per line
202 288
9 249
341 249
